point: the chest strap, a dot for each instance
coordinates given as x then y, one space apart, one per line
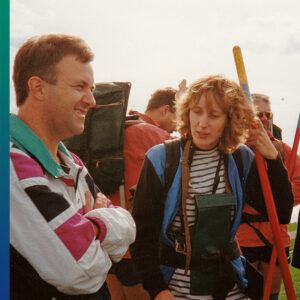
249 218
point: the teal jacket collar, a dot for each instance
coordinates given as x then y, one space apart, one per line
25 139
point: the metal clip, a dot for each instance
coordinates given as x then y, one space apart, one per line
180 247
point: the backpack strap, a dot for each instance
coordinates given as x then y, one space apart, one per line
237 155
172 162
243 163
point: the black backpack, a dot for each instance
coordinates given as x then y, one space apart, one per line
100 146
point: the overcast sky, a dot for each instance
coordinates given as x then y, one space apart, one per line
157 43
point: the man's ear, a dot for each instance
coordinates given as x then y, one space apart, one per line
166 109
36 87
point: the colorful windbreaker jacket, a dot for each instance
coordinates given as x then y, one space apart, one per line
49 226
154 210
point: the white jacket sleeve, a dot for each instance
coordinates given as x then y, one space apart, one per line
120 230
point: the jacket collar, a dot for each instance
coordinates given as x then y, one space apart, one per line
144 117
25 139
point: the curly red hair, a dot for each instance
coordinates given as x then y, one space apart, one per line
232 101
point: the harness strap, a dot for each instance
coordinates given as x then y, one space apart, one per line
260 235
169 257
184 186
249 218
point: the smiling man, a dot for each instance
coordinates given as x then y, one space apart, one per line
64 232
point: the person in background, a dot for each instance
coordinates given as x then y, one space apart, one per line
151 128
64 233
296 253
179 255
255 234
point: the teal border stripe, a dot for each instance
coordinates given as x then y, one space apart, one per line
4 146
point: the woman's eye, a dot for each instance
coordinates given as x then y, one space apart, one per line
197 111
213 116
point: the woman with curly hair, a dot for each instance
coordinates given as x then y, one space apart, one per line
185 246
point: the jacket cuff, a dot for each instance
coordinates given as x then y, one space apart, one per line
274 163
102 227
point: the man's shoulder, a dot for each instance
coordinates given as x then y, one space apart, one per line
144 130
25 166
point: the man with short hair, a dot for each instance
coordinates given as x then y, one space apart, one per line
161 109
152 128
64 232
263 106
257 246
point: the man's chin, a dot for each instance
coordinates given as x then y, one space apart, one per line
79 131
74 132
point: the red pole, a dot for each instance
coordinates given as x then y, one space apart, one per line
272 215
266 189
268 281
292 161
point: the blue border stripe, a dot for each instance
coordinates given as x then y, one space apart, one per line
4 143
246 90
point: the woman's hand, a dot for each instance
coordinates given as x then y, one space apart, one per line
165 295
260 141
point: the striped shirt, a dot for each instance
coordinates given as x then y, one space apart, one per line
202 174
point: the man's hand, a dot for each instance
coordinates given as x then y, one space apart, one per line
101 201
182 89
87 206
